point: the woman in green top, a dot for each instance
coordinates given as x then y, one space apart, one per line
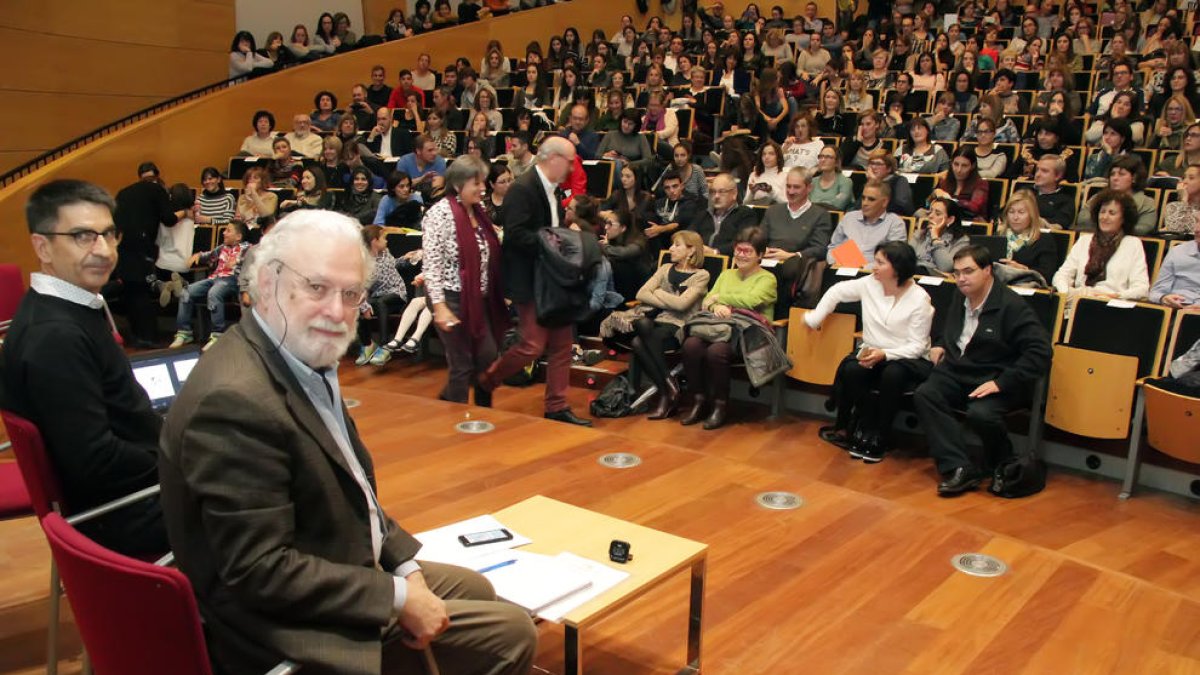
746 287
830 187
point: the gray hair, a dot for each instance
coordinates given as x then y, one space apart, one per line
555 146
1060 165
306 225
463 169
802 173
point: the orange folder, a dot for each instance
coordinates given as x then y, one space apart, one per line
848 255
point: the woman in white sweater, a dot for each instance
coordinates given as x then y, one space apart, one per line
894 356
1109 263
767 183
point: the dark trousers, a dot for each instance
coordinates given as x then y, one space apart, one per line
467 358
858 407
382 306
650 347
133 267
535 339
707 367
938 398
135 530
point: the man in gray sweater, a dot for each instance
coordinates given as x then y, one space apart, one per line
798 234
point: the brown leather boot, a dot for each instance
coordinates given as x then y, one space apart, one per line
668 401
717 417
696 412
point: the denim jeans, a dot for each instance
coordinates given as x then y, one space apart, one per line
217 291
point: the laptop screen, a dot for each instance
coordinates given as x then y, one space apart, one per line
163 373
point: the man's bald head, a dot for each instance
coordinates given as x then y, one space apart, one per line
556 157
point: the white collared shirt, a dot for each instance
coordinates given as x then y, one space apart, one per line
385 143
971 321
549 188
62 289
800 211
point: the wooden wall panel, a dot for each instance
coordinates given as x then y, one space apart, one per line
78 66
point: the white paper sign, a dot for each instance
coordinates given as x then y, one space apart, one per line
1021 290
847 271
1122 304
931 281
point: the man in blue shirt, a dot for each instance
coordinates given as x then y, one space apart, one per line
423 165
1178 283
871 226
585 140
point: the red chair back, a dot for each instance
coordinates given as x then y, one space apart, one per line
135 618
14 498
12 288
45 492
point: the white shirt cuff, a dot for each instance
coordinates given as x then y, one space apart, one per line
400 586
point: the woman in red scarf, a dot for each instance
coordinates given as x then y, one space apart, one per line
462 279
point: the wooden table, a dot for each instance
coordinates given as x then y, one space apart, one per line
555 527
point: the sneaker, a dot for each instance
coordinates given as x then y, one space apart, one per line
410 346
381 356
183 337
873 453
164 293
365 355
178 285
212 340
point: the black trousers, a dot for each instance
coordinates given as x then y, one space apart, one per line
468 358
858 407
707 367
937 400
133 267
650 345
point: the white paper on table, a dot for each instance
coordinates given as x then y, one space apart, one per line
1121 304
769 262
910 177
534 581
602 577
931 281
1022 290
847 272
442 544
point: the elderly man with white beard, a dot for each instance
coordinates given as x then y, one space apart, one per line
270 499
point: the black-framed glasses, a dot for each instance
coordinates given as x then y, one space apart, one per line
86 238
320 292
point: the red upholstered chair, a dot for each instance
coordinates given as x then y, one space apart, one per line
135 618
45 498
12 288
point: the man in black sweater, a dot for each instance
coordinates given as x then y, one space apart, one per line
65 372
677 209
992 351
1056 204
141 208
728 217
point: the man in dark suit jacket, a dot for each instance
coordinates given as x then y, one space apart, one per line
530 206
991 353
270 500
387 140
728 217
65 373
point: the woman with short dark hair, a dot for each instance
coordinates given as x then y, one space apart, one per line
325 114
894 356
746 287
261 142
243 59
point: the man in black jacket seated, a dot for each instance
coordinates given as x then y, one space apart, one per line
677 209
387 140
991 353
65 372
728 217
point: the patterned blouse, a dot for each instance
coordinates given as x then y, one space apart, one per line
387 280
440 246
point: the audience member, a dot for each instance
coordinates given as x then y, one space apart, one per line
1025 248
881 167
243 59
870 226
1054 202
1178 282
400 207
387 293
1110 262
797 233
894 357
359 201
424 165
1126 175
830 187
625 248
259 143
991 352
141 208
256 201
939 236
326 114
219 287
1180 215
246 452
728 218
215 205
378 93
586 141
706 360
360 107
313 193
301 138
385 139
65 372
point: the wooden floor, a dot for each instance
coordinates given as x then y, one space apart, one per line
858 580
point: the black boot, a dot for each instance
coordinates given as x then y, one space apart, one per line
717 417
668 400
696 412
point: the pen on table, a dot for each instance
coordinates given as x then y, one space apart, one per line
497 566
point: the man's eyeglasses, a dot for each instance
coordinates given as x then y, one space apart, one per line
87 238
321 292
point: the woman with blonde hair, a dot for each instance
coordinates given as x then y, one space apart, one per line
858 99
676 290
990 108
1177 115
1020 225
775 46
